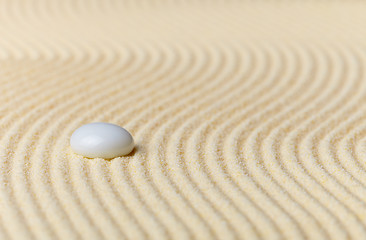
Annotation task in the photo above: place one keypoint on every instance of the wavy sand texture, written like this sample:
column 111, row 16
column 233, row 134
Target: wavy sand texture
column 249, row 119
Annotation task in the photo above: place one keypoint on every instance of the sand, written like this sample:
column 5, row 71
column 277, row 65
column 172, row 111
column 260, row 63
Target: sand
column 249, row 119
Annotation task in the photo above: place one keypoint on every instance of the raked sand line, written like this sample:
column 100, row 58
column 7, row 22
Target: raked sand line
column 248, row 117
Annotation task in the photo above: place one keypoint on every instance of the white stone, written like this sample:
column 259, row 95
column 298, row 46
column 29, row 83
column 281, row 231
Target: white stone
column 101, row 140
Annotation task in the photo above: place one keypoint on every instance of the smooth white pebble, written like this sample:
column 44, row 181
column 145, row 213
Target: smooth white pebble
column 101, row 140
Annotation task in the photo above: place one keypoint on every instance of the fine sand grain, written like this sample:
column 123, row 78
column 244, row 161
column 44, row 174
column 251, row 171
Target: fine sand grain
column 249, row 119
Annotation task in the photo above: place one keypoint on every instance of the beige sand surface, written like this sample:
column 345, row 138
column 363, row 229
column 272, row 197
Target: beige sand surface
column 249, row 118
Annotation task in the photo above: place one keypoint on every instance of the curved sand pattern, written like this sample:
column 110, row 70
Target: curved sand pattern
column 249, row 119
